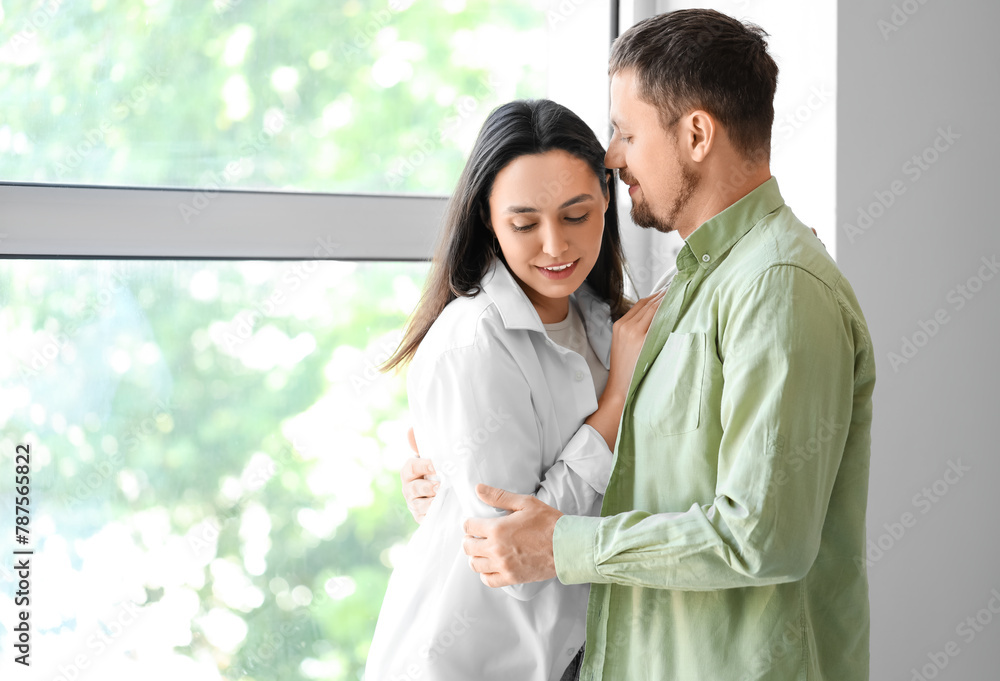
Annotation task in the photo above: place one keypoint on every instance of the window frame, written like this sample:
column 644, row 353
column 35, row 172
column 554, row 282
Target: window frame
column 88, row 221
column 50, row 221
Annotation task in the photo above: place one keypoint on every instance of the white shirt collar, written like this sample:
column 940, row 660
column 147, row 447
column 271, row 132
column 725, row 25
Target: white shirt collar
column 517, row 312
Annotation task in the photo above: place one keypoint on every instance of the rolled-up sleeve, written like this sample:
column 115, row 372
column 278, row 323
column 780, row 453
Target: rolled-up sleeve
column 585, row 459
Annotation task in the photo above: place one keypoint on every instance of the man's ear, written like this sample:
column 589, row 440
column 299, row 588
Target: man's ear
column 697, row 134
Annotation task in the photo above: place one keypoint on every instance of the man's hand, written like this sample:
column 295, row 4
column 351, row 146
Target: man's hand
column 516, row 548
column 417, row 490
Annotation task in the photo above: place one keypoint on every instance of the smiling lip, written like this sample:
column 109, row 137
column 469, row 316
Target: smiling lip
column 632, row 188
column 560, row 274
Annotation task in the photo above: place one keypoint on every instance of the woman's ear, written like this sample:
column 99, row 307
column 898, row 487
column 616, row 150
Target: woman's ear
column 484, row 215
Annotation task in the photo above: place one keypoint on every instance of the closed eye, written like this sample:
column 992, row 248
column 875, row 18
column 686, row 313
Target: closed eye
column 582, row 218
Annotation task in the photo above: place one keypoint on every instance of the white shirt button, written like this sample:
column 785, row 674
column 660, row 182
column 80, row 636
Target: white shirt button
column 579, row 375
column 706, row 257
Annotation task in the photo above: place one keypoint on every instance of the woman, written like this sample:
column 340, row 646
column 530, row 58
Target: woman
column 511, row 345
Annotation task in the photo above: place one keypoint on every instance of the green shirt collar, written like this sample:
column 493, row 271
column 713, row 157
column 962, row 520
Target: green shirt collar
column 713, row 239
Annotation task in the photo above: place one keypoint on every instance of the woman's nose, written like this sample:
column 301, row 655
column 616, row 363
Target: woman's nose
column 554, row 241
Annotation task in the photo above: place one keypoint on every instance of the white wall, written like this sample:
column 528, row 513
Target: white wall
column 572, row 25
column 896, row 90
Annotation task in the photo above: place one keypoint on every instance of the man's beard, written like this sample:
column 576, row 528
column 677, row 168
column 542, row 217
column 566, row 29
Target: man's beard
column 642, row 212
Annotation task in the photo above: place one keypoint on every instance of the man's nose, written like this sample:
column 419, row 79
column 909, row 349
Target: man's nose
column 613, row 158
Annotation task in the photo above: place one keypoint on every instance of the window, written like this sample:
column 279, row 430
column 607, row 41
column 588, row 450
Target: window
column 215, row 222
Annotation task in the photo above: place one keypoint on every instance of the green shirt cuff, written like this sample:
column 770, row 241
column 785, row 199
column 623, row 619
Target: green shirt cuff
column 574, row 549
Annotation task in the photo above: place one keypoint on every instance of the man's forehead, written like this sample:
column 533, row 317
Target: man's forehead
column 622, row 92
column 623, row 81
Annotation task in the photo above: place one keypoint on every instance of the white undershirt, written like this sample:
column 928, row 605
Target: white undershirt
column 570, row 334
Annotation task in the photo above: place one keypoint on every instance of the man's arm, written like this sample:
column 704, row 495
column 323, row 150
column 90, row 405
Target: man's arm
column 583, row 465
column 784, row 379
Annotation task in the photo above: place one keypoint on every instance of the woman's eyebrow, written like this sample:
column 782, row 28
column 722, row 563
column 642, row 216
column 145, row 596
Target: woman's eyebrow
column 580, row 198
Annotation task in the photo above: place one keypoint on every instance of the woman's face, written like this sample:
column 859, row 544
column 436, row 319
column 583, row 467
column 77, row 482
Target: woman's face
column 548, row 214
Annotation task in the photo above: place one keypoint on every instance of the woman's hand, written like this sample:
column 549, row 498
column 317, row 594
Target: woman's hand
column 626, row 342
column 627, row 338
column 418, row 491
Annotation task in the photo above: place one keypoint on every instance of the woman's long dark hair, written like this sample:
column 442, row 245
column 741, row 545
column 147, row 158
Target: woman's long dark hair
column 467, row 245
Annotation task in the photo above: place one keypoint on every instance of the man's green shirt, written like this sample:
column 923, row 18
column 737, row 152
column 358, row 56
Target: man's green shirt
column 731, row 542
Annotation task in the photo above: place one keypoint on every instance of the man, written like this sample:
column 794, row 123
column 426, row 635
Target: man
column 731, row 539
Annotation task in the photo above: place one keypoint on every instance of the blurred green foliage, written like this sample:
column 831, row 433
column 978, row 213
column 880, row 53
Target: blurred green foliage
column 141, row 399
column 354, row 96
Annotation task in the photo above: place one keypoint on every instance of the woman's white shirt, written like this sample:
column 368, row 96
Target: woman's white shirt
column 494, row 400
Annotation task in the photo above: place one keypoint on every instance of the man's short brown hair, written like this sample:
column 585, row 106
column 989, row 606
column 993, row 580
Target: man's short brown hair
column 703, row 59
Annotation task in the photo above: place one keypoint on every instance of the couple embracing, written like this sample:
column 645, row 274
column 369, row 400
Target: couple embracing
column 679, row 483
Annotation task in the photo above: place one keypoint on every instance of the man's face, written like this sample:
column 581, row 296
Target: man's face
column 649, row 159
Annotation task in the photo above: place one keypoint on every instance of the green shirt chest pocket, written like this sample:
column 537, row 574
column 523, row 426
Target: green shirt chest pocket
column 669, row 400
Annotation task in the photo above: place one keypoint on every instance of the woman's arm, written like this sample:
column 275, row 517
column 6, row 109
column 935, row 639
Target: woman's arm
column 475, row 416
